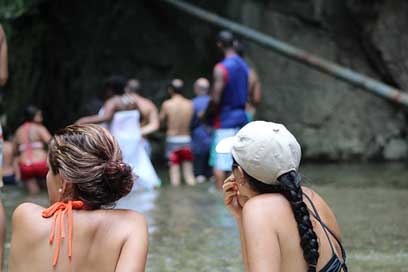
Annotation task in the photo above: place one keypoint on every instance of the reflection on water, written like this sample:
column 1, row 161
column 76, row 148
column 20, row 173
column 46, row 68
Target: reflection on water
column 190, row 230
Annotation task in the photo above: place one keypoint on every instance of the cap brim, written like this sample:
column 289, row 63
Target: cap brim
column 225, row 145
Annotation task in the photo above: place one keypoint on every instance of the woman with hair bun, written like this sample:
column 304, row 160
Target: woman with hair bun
column 79, row 231
column 283, row 225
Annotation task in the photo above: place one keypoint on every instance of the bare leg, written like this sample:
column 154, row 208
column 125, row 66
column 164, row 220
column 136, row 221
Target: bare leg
column 32, row 186
column 188, row 173
column 219, row 176
column 174, row 174
column 2, row 233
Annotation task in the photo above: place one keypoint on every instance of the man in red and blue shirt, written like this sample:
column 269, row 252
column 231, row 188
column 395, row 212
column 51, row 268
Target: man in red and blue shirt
column 228, row 99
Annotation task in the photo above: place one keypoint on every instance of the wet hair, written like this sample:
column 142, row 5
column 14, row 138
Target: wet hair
column 289, row 185
column 116, row 84
column 226, row 39
column 30, row 112
column 176, row 86
column 88, row 157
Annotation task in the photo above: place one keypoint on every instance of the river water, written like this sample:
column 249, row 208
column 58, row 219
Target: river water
column 190, row 230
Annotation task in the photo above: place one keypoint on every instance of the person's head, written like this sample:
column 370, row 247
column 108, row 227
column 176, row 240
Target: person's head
column 225, row 40
column 133, row 86
column 266, row 160
column 176, row 86
column 85, row 163
column 33, row 114
column 239, row 48
column 201, row 86
column 114, row 85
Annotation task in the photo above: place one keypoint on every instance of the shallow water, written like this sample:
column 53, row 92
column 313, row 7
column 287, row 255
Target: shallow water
column 190, row 230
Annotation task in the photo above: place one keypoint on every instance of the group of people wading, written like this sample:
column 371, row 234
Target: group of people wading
column 92, row 164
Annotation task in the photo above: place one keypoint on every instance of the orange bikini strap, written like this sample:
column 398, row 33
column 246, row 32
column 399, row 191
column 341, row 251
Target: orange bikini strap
column 58, row 211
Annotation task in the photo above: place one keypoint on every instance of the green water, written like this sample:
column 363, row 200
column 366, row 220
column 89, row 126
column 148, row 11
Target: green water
column 190, row 230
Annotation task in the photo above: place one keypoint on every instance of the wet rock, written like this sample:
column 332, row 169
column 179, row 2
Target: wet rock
column 396, row 149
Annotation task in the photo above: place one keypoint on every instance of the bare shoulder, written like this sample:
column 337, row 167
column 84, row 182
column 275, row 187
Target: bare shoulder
column 27, row 211
column 266, row 207
column 27, row 220
column 128, row 218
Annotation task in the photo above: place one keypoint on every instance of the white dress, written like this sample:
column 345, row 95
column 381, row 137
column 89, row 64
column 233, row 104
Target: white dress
column 125, row 127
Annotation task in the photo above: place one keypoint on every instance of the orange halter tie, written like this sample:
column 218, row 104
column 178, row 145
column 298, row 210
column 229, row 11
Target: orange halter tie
column 58, row 211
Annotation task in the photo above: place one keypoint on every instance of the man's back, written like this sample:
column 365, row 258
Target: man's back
column 99, row 240
column 178, row 112
column 235, row 93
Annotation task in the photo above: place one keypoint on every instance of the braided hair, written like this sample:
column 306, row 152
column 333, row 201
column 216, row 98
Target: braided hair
column 290, row 187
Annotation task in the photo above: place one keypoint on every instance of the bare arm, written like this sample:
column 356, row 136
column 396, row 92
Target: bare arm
column 3, row 58
column 153, row 124
column 261, row 239
column 108, row 112
column 2, row 233
column 45, row 135
column 134, row 252
column 219, row 85
column 163, row 113
column 255, row 92
column 216, row 94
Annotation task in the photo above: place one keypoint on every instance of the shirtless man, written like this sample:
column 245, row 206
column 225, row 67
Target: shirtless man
column 149, row 114
column 254, row 86
column 178, row 112
column 3, row 80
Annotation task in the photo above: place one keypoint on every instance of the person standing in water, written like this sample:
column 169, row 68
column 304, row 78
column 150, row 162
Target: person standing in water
column 254, row 85
column 79, row 232
column 3, row 80
column 227, row 105
column 284, row 226
column 201, row 133
column 149, row 114
column 177, row 112
column 120, row 114
column 30, row 144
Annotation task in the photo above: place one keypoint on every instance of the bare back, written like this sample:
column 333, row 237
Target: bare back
column 103, row 240
column 33, row 133
column 178, row 112
column 282, row 237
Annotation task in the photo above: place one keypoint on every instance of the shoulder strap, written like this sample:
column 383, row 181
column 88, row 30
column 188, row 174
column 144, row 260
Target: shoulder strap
column 326, row 230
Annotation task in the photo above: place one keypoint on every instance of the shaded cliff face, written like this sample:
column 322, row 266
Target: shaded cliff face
column 333, row 120
column 61, row 52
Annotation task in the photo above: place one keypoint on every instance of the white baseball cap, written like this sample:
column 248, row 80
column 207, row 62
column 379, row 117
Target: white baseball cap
column 264, row 150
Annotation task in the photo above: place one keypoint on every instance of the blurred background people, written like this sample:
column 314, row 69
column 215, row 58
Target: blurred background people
column 177, row 113
column 229, row 96
column 149, row 122
column 10, row 169
column 3, row 80
column 121, row 115
column 201, row 133
column 30, row 142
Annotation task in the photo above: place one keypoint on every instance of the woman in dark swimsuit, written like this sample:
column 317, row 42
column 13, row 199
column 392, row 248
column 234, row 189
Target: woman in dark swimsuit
column 283, row 225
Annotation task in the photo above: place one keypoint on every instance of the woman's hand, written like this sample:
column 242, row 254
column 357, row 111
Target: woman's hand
column 230, row 189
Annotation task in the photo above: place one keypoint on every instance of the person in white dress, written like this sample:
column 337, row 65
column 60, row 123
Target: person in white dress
column 121, row 116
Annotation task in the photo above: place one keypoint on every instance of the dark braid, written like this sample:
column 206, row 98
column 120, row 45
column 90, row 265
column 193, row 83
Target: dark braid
column 290, row 187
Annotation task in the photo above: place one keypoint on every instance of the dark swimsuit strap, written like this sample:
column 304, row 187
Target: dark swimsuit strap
column 326, row 230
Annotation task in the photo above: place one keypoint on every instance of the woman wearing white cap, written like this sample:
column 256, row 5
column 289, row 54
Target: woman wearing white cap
column 283, row 225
